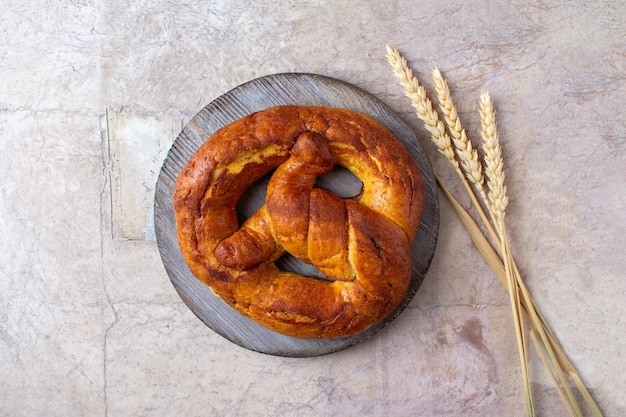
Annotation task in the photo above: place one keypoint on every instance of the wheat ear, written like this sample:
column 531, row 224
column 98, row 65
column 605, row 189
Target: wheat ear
column 464, row 149
column 422, row 105
column 497, row 197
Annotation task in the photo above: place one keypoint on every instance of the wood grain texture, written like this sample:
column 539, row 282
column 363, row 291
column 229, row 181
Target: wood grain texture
column 258, row 94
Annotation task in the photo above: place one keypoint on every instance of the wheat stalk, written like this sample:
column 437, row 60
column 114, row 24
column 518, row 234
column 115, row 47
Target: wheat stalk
column 496, row 201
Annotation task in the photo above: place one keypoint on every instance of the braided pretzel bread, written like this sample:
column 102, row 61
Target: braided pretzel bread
column 361, row 244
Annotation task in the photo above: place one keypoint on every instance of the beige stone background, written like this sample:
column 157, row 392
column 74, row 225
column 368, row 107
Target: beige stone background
column 92, row 94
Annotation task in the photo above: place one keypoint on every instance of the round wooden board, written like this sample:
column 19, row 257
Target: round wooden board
column 256, row 95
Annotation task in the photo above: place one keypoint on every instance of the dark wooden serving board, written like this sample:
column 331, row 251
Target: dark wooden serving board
column 259, row 94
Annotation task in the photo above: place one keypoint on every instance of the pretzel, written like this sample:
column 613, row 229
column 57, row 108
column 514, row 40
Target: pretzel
column 361, row 244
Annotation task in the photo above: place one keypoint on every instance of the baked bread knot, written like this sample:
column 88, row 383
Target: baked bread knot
column 362, row 244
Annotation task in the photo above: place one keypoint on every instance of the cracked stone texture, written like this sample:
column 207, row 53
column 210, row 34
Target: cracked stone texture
column 90, row 325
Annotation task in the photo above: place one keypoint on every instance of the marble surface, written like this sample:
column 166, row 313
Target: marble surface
column 93, row 93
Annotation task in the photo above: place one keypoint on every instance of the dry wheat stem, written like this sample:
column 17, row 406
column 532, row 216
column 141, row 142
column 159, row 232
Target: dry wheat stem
column 586, row 395
column 516, row 308
column 551, row 373
column 549, row 345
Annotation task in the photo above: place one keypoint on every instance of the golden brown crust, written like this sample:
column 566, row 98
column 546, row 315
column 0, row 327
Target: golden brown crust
column 361, row 244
